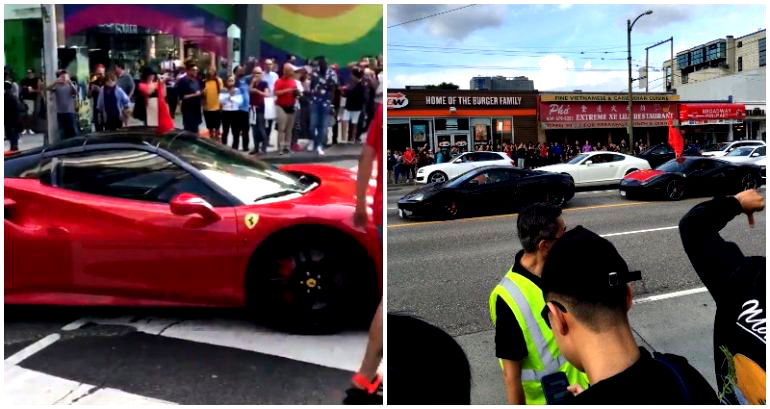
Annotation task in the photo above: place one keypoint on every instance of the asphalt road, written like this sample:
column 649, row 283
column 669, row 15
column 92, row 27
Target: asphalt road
column 184, row 356
column 443, row 271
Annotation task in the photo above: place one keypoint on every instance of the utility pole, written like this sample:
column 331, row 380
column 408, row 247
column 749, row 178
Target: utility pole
column 630, row 80
column 647, row 59
column 50, row 51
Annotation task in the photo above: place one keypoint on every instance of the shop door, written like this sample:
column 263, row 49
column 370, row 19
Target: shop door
column 449, row 140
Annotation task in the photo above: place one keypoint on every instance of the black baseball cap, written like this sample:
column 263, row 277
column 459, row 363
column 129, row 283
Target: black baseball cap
column 587, row 267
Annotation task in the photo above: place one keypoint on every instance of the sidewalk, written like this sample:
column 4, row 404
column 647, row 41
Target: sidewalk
column 334, row 153
column 681, row 325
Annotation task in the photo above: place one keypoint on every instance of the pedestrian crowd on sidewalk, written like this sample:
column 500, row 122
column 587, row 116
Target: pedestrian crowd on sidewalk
column 402, row 166
column 299, row 100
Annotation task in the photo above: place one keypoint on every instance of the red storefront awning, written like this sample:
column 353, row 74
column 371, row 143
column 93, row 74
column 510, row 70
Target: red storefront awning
column 711, row 112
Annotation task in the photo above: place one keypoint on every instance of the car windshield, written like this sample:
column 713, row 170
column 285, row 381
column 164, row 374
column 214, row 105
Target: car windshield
column 675, row 165
column 742, row 151
column 715, row 147
column 577, row 159
column 246, row 178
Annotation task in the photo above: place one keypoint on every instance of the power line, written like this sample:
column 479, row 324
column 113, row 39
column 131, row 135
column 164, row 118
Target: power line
column 432, row 15
column 472, row 50
column 498, row 67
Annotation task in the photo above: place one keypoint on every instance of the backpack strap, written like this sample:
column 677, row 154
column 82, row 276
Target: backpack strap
column 680, row 380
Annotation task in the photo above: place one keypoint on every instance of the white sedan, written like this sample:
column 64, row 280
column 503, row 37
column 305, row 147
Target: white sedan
column 598, row 168
column 441, row 172
column 724, row 148
column 745, row 154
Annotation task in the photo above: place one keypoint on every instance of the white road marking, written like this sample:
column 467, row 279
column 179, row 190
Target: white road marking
column 30, row 350
column 341, row 351
column 675, row 294
column 639, row 231
column 27, row 387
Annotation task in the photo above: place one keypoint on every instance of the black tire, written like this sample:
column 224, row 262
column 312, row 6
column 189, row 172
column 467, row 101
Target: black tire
column 437, row 177
column 749, row 181
column 451, row 209
column 556, row 198
column 674, row 190
column 312, row 281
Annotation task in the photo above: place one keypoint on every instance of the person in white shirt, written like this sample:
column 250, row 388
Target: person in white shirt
column 231, row 99
column 270, row 77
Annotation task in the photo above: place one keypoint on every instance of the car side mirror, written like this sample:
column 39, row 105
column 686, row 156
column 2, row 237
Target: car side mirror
column 473, row 182
column 457, row 161
column 755, row 154
column 185, row 204
column 588, row 163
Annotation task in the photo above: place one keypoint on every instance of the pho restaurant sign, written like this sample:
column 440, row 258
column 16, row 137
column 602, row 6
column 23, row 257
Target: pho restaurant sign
column 603, row 115
column 610, row 97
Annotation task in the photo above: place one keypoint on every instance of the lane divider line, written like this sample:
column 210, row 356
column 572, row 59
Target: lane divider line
column 675, row 294
column 473, row 219
column 30, row 350
column 639, row 231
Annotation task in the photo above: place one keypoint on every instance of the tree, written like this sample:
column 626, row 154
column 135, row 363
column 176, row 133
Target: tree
column 443, row 85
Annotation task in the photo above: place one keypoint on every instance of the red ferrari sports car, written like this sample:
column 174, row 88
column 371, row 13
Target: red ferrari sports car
column 135, row 219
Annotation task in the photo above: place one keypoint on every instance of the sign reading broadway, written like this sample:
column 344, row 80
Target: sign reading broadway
column 603, row 115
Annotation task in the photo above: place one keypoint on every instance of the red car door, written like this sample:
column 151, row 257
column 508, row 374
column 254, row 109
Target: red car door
column 110, row 211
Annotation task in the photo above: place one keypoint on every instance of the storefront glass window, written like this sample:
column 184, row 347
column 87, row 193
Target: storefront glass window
column 398, row 134
column 502, row 131
column 481, row 130
column 452, row 124
column 422, row 133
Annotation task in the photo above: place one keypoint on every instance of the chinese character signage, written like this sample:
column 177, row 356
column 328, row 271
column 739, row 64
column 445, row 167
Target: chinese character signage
column 554, row 115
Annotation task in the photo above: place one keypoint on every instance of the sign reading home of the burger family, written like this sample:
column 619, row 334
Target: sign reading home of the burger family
column 451, row 100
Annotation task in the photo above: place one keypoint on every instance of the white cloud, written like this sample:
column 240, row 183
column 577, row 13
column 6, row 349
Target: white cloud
column 453, row 26
column 564, row 6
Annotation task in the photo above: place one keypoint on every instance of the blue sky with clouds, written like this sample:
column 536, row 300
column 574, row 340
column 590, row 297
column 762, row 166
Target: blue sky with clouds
column 560, row 47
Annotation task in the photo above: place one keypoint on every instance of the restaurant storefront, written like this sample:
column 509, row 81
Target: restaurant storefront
column 462, row 119
column 707, row 123
column 603, row 118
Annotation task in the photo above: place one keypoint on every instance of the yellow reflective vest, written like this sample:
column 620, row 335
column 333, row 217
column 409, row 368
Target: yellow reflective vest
column 543, row 358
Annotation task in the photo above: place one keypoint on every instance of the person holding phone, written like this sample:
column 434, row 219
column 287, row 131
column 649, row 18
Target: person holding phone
column 230, row 99
column 523, row 343
column 65, row 92
column 586, row 307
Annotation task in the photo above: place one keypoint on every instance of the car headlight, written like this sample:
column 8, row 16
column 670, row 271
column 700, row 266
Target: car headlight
column 421, row 170
column 418, row 197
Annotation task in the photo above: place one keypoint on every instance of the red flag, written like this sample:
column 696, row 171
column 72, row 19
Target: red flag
column 675, row 138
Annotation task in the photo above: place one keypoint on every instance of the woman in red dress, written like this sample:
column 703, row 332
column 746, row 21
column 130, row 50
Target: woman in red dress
column 157, row 113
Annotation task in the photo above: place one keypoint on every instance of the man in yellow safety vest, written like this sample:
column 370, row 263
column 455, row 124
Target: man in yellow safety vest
column 524, row 344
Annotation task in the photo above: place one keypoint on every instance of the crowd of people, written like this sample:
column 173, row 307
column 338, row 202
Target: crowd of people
column 247, row 102
column 402, row 166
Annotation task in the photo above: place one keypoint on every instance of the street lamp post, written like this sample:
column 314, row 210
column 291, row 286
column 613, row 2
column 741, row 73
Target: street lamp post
column 630, row 80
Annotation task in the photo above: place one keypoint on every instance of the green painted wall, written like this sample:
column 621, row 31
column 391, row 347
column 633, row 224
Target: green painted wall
column 23, row 42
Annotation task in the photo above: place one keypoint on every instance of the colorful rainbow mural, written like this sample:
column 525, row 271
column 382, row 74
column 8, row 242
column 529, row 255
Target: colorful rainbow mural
column 342, row 33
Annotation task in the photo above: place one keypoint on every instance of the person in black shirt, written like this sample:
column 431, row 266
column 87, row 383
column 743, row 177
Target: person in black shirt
column 30, row 92
column 587, row 303
column 354, row 102
column 189, row 91
column 737, row 284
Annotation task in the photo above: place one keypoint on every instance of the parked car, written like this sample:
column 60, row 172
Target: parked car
column 137, row 219
column 723, row 148
column 598, row 168
column 441, row 172
column 691, row 177
column 746, row 154
column 661, row 153
column 489, row 189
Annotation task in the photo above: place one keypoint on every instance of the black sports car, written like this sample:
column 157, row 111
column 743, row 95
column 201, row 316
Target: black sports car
column 691, row 177
column 661, row 153
column 487, row 190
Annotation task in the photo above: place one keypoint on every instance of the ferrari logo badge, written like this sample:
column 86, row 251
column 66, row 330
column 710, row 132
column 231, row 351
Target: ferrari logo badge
column 311, row 282
column 251, row 220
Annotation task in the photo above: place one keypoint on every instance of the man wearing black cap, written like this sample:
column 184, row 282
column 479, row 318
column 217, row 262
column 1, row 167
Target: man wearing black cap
column 737, row 284
column 587, row 305
column 523, row 343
